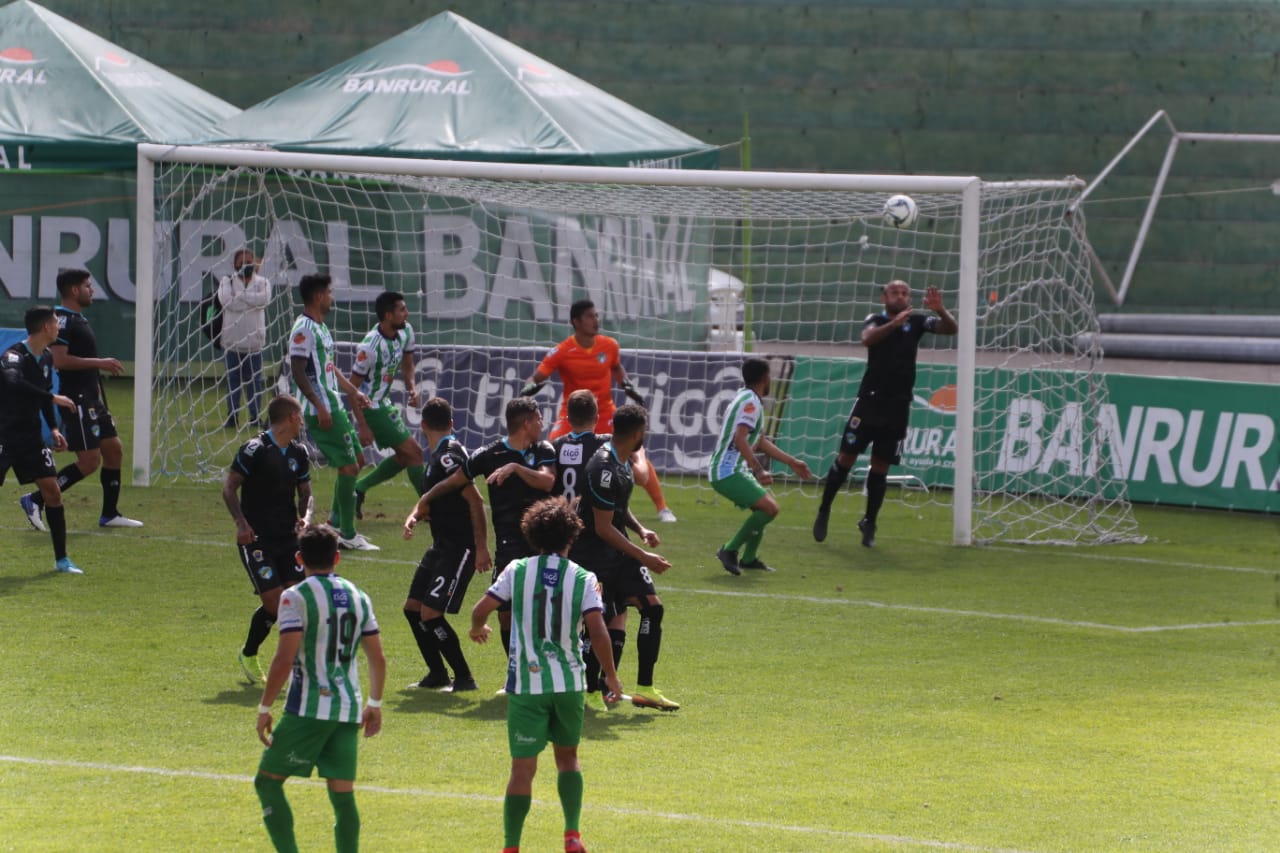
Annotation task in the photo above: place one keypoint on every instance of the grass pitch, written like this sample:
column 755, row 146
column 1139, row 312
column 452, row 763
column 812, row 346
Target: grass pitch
column 914, row 696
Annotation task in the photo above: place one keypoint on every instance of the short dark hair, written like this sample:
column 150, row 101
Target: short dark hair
column 753, row 370
column 437, row 414
column 386, row 303
column 582, row 408
column 311, row 284
column 318, row 545
column 519, row 411
column 628, row 420
column 281, row 407
column 36, row 317
column 577, row 309
column 68, row 279
column 550, row 525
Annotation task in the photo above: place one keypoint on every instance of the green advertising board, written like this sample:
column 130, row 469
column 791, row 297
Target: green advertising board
column 1179, row 441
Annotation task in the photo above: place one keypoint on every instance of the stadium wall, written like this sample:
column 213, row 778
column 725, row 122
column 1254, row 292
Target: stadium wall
column 1000, row 89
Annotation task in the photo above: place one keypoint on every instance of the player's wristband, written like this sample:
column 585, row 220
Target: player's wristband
column 373, row 703
column 531, row 388
column 264, row 709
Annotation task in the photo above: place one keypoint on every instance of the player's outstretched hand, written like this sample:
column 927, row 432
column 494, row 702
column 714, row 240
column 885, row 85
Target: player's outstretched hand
column 410, row 522
column 59, row 440
column 482, row 635
column 64, row 402
column 111, row 365
column 484, row 563
column 372, row 721
column 650, row 538
column 655, row 562
column 264, row 728
column 802, row 469
column 497, row 478
column 933, row 299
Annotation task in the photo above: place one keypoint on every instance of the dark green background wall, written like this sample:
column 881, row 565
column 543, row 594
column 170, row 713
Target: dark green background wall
column 998, row 89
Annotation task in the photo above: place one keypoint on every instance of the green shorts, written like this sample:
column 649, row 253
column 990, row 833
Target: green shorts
column 532, row 720
column 340, row 444
column 389, row 431
column 740, row 487
column 299, row 744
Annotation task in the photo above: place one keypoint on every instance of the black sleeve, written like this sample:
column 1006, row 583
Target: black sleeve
column 16, row 382
column 480, row 464
column 602, row 487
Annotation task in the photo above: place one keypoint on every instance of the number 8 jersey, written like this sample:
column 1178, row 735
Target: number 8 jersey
column 573, row 451
column 332, row 615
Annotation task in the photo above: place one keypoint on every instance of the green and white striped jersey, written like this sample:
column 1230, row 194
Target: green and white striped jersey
column 746, row 408
column 332, row 615
column 548, row 595
column 312, row 341
column 378, row 361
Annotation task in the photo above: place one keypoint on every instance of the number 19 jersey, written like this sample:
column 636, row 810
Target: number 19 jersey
column 332, row 615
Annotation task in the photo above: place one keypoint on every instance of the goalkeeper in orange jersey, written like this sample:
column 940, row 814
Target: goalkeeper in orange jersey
column 589, row 360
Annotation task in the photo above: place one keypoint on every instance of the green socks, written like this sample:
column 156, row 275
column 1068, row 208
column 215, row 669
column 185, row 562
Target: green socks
column 346, row 824
column 515, row 808
column 569, row 786
column 344, row 501
column 749, row 535
column 417, row 473
column 380, row 473
column 276, row 813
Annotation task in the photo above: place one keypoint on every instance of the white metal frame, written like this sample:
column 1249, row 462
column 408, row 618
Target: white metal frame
column 969, row 189
column 1176, row 136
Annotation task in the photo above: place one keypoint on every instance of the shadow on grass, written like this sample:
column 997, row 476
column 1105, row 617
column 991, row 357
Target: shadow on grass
column 12, row 585
column 244, row 694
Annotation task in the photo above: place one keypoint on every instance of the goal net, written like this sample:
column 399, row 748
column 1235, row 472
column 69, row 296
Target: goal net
column 690, row 270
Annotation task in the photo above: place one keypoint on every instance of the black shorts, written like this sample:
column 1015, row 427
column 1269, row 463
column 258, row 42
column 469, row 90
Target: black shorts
column 271, row 565
column 508, row 550
column 91, row 423
column 29, row 460
column 621, row 577
column 882, row 428
column 443, row 576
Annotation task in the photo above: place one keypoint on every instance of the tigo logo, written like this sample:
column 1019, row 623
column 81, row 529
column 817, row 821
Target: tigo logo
column 19, row 67
column 438, row 77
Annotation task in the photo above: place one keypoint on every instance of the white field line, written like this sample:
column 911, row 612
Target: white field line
column 492, row 799
column 880, row 605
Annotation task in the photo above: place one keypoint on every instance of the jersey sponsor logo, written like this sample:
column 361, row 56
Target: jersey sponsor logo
column 252, row 447
column 300, row 338
column 749, row 408
column 448, row 462
column 12, row 357
column 523, row 738
column 257, row 555
column 550, row 576
column 571, row 454
column 606, row 479
column 362, row 356
column 340, row 598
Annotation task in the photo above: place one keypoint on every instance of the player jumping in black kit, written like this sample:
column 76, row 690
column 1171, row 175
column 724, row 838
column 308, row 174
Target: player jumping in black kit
column 459, row 548
column 272, row 474
column 91, row 431
column 880, row 413
column 26, row 383
column 520, row 471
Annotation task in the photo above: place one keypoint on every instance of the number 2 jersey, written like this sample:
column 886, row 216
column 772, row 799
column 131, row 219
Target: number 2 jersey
column 333, row 615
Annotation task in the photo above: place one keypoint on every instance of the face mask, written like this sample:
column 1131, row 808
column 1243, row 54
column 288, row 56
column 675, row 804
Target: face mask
column 246, row 271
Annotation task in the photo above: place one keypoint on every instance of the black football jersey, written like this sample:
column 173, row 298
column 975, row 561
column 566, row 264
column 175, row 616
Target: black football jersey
column 573, row 451
column 890, row 376
column 508, row 502
column 609, row 483
column 25, row 393
column 450, row 514
column 75, row 333
column 268, row 496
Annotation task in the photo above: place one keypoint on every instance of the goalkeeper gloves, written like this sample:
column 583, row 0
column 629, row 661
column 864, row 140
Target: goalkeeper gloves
column 630, row 391
column 531, row 388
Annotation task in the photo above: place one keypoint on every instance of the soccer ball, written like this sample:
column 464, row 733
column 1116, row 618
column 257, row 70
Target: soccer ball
column 900, row 211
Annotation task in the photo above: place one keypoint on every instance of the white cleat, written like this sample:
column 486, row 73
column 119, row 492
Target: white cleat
column 357, row 543
column 32, row 511
column 119, row 521
column 665, row 514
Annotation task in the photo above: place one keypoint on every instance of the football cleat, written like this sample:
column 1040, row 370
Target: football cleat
column 359, row 506
column 461, row 685
column 357, row 543
column 868, row 531
column 433, row 681
column 729, row 559
column 64, row 566
column 573, row 843
column 595, row 701
column 757, row 565
column 33, row 512
column 665, row 514
column 252, row 668
column 820, row 524
column 651, row 697
column 118, row 521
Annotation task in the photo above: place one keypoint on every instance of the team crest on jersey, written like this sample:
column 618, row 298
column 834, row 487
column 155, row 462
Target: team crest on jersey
column 96, row 430
column 265, row 572
column 606, row 479
column 93, row 416
column 293, row 465
column 533, row 667
column 257, row 555
column 600, row 358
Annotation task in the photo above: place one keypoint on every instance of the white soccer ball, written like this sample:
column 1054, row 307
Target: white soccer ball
column 900, row 211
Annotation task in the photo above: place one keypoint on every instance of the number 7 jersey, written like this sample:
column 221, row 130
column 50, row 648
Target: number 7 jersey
column 333, row 615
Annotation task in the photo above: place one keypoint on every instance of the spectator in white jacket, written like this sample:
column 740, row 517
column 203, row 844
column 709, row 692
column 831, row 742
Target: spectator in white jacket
column 243, row 296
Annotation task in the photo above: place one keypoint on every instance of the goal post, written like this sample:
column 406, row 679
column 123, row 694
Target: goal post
column 490, row 255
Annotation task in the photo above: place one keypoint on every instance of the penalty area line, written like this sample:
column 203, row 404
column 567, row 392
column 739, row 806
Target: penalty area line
column 241, row 779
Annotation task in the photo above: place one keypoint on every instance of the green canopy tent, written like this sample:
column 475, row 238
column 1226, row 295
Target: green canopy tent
column 73, row 106
column 449, row 89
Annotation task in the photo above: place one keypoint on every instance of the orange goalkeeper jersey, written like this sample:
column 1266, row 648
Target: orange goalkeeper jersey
column 584, row 368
